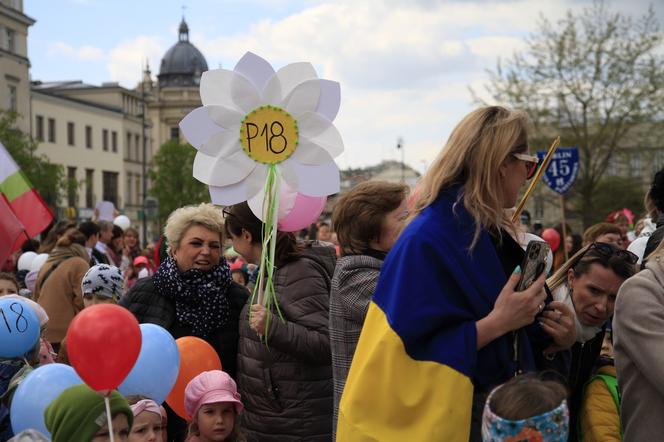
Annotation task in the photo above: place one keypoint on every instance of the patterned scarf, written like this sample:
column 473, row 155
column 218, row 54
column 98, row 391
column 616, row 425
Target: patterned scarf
column 200, row 296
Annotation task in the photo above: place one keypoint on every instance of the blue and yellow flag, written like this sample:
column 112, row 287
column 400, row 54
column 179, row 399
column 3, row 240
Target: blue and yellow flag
column 417, row 363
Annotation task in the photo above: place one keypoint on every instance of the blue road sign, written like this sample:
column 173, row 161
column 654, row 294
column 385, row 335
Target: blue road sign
column 563, row 169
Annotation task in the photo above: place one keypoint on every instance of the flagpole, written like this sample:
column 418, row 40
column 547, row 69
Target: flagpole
column 537, row 177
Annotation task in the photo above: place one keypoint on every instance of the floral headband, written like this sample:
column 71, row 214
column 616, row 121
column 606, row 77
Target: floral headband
column 552, row 426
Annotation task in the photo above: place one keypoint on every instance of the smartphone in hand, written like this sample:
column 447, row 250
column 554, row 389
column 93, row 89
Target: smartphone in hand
column 534, row 263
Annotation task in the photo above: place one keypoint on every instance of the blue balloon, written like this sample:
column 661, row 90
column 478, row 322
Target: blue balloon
column 39, row 388
column 19, row 328
column 157, row 366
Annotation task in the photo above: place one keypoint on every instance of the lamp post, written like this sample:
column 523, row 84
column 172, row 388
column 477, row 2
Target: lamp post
column 403, row 164
column 144, row 165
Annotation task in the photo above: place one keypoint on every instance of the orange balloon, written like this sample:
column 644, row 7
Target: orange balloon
column 196, row 356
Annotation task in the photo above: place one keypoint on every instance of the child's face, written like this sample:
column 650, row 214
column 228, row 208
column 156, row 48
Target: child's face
column 7, row 287
column 146, row 428
column 216, row 421
column 89, row 300
column 120, row 430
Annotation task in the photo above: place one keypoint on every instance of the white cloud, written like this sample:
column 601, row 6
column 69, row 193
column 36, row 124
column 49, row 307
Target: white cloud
column 83, row 53
column 127, row 59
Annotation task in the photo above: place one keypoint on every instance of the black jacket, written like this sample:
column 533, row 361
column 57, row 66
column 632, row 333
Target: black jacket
column 150, row 307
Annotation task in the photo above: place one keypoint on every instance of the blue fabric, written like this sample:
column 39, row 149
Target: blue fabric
column 433, row 290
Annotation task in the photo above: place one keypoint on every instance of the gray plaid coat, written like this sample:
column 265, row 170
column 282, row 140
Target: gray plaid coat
column 353, row 285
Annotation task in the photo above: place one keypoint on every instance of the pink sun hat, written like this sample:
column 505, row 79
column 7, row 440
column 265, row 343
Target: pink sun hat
column 211, row 387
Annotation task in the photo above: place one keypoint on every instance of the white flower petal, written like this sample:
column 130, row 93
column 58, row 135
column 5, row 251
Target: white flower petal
column 217, row 171
column 256, row 69
column 330, row 140
column 310, row 124
column 239, row 192
column 284, row 81
column 330, row 99
column 216, row 87
column 222, row 144
column 227, row 117
column 197, row 127
column 244, row 94
column 318, row 180
column 308, row 152
column 304, row 98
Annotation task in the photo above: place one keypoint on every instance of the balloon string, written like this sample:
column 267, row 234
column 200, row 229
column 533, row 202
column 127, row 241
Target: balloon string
column 110, row 420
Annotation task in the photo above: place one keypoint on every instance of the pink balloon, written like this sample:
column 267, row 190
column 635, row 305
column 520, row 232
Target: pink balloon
column 306, row 210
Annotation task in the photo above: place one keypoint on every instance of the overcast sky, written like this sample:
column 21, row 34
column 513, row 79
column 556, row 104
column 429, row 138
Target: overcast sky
column 404, row 65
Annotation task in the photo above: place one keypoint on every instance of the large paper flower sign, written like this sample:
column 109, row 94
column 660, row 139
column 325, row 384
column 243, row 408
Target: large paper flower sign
column 267, row 137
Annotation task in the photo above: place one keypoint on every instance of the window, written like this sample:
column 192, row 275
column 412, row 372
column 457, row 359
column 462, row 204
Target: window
column 114, row 141
column 104, row 139
column 128, row 146
column 138, row 147
column 70, row 133
column 88, row 137
column 51, row 130
column 175, row 133
column 89, row 188
column 110, row 187
column 71, row 187
column 128, row 197
column 612, row 166
column 137, row 188
column 39, row 127
column 635, row 164
column 13, row 103
column 11, row 40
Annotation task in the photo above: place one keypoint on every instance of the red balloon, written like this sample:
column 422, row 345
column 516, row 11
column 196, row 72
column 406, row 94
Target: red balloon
column 552, row 237
column 103, row 343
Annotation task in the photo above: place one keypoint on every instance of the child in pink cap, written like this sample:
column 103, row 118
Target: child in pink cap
column 213, row 404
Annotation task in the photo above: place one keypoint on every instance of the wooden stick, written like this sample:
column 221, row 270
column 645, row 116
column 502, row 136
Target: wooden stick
column 537, row 177
column 564, row 226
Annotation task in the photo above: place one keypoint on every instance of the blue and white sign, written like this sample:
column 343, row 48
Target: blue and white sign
column 563, row 169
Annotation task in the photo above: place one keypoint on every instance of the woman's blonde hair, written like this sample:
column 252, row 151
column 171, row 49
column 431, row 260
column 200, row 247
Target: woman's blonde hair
column 472, row 156
column 180, row 220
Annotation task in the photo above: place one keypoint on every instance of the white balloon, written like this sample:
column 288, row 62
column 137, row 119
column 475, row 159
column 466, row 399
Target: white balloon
column 549, row 257
column 25, row 260
column 38, row 262
column 122, row 221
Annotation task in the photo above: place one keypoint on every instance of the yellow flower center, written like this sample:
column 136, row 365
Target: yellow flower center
column 269, row 134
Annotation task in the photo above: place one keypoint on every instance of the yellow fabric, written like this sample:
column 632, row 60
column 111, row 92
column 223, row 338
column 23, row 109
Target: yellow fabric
column 600, row 421
column 391, row 397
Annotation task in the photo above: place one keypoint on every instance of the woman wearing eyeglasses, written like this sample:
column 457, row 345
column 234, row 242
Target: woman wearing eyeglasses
column 588, row 284
column 638, row 344
column 446, row 325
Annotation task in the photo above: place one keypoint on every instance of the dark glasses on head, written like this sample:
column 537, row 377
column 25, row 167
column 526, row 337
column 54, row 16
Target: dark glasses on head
column 531, row 161
column 607, row 251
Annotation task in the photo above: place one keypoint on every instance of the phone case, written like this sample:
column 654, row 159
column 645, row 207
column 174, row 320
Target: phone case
column 533, row 263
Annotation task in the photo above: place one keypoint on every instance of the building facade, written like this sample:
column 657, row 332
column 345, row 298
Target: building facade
column 97, row 133
column 14, row 62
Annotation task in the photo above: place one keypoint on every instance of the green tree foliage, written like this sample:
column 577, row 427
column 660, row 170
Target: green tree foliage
column 48, row 178
column 172, row 181
column 597, row 80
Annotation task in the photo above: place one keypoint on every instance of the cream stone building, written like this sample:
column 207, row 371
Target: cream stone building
column 96, row 133
column 14, row 62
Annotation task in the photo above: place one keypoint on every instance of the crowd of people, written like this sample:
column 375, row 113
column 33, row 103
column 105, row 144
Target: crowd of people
column 397, row 319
